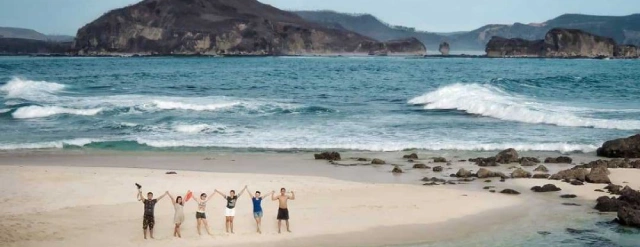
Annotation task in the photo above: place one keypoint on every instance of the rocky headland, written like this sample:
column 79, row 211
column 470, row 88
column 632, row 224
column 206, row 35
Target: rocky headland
column 561, row 43
column 223, row 27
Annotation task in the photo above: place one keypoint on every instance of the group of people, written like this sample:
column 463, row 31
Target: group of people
column 148, row 220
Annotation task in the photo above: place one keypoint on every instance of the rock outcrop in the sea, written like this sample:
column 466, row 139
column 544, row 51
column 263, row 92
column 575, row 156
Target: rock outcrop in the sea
column 621, row 148
column 560, row 43
column 444, row 48
column 17, row 46
column 223, row 27
column 614, row 163
column 559, row 159
column 327, row 156
column 627, row 206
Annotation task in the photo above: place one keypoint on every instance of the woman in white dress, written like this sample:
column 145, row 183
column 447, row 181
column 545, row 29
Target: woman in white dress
column 178, row 217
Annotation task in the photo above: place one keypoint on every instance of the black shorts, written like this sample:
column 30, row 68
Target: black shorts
column 148, row 221
column 283, row 214
column 200, row 215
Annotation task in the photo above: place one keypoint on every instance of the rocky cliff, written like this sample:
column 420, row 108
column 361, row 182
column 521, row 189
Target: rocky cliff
column 560, row 43
column 15, row 46
column 219, row 27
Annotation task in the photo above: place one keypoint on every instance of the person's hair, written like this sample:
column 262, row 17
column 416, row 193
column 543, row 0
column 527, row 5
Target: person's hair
column 281, row 189
column 258, row 192
column 149, row 193
column 233, row 191
column 203, row 194
column 178, row 198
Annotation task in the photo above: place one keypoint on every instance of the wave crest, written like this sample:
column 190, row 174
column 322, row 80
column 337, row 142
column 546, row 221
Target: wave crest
column 47, row 111
column 28, row 89
column 493, row 102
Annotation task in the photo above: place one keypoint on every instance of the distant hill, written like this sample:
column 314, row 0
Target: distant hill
column 623, row 29
column 370, row 26
column 24, row 33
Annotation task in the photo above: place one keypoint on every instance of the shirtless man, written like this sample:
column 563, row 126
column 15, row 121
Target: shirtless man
column 283, row 210
column 148, row 219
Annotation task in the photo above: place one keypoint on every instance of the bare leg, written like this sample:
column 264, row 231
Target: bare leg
column 258, row 222
column 145, row 233
column 287, row 221
column 227, row 219
column 279, row 225
column 206, row 226
column 178, row 230
column 151, row 232
column 199, row 225
column 231, row 223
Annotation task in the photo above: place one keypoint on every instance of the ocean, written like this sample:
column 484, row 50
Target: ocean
column 312, row 103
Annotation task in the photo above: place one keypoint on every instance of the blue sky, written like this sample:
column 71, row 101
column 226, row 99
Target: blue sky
column 66, row 16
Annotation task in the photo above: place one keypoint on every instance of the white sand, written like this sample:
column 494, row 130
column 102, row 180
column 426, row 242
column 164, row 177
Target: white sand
column 77, row 206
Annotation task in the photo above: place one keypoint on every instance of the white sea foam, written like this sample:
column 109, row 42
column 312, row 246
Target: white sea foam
column 46, row 111
column 197, row 128
column 28, row 89
column 46, row 145
column 493, row 102
column 175, row 105
column 4, row 110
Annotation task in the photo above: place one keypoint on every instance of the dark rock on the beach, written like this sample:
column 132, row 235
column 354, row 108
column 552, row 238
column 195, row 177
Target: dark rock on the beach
column 528, row 161
column 171, row 172
column 437, row 169
column 568, row 196
column 507, row 156
column 378, row 162
column 439, row 160
column 541, row 168
column 614, row 189
column 598, row 190
column 420, row 166
column 431, row 184
column 513, row 167
column 486, row 173
column 462, row 160
column 412, row 156
column 614, row 163
column 488, row 187
column 546, row 188
column 609, row 204
column 434, row 179
column 492, row 191
column 396, row 169
column 598, row 175
column 510, row 192
column 450, row 182
column 559, row 160
column 629, row 216
column 541, row 176
column 503, row 180
column 327, row 156
column 520, row 173
column 452, row 175
column 362, row 159
column 576, row 182
column 631, row 196
column 571, row 204
column 621, row 148
column 491, row 161
column 574, row 173
column 463, row 173
column 487, row 181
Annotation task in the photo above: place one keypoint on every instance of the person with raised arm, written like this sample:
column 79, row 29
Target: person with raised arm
column 201, row 216
column 148, row 219
column 230, row 210
column 178, row 216
column 256, row 200
column 283, row 209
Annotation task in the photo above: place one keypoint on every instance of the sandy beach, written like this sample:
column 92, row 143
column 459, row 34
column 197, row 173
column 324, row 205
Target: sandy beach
column 53, row 200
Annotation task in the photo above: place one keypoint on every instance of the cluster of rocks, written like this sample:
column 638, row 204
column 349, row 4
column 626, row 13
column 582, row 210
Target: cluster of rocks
column 627, row 205
column 621, row 148
column 614, row 163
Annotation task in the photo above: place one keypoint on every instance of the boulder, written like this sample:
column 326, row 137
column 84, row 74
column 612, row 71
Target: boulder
column 629, row 216
column 566, row 196
column 420, row 166
column 576, row 182
column 444, row 48
column 488, row 187
column 614, row 163
column 434, row 179
column 614, row 189
column 571, row 174
column 396, row 169
column 529, row 159
column 541, row 176
column 378, row 162
column 431, row 184
column 437, row 169
column 546, row 188
column 485, row 173
column 598, row 175
column 491, row 161
column 631, row 196
column 463, row 173
column 327, row 156
column 507, row 156
column 621, row 148
column 559, row 160
column 525, row 162
column 171, row 173
column 510, row 192
column 609, row 204
column 439, row 160
column 520, row 173
column 412, row 156
column 541, row 168
column 362, row 159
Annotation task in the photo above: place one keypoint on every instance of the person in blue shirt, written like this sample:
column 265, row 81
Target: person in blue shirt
column 256, row 199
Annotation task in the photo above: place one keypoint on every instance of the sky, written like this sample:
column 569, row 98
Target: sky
column 66, row 16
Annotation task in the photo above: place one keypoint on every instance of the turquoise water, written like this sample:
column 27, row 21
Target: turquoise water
column 292, row 103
